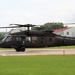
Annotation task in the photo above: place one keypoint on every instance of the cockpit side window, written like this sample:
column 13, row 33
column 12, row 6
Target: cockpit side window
column 18, row 38
column 8, row 38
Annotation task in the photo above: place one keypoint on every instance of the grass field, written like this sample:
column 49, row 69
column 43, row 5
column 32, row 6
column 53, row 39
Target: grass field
column 37, row 65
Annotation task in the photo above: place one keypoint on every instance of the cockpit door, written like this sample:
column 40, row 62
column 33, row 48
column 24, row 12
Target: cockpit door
column 21, row 40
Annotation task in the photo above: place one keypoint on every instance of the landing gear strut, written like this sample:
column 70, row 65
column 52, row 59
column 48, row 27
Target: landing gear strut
column 20, row 49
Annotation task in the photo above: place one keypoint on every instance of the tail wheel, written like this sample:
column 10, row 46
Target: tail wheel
column 20, row 49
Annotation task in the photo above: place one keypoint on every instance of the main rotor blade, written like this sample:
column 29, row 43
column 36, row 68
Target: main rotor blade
column 10, row 27
column 16, row 24
column 68, row 23
column 24, row 25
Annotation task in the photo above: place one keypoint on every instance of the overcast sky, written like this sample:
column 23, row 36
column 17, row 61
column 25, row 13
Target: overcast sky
column 36, row 11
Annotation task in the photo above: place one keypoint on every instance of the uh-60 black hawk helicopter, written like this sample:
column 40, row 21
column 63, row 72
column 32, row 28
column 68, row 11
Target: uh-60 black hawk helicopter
column 26, row 38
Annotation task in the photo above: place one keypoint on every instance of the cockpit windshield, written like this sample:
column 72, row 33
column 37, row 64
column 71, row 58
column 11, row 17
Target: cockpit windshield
column 7, row 38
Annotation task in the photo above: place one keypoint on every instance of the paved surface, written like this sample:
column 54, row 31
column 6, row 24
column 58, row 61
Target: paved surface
column 37, row 52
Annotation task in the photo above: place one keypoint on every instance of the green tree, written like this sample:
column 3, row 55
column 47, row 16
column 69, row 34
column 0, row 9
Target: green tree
column 2, row 34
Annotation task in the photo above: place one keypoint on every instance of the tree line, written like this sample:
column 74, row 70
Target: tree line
column 2, row 34
column 50, row 26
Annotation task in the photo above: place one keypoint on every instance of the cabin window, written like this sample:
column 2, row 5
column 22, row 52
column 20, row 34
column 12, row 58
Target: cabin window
column 34, row 39
column 28, row 39
column 50, row 39
column 67, row 33
column 19, row 38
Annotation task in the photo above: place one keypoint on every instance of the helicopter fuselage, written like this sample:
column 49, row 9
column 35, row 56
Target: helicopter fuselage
column 22, row 40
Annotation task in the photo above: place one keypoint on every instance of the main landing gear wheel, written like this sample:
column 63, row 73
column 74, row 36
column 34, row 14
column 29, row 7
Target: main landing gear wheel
column 20, row 49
